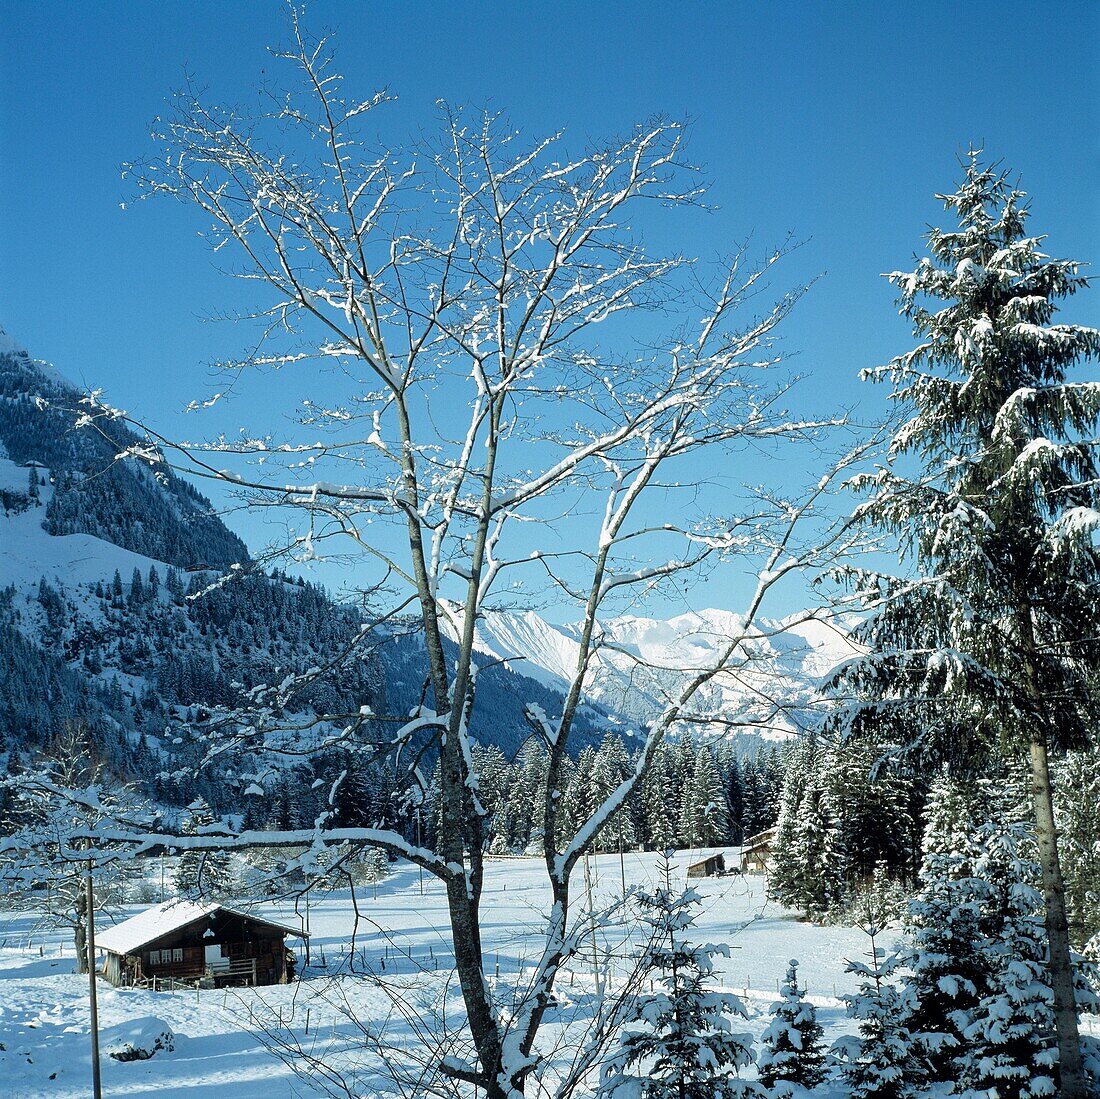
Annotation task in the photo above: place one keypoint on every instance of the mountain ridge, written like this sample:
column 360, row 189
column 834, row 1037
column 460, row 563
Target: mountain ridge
column 643, row 662
column 100, row 561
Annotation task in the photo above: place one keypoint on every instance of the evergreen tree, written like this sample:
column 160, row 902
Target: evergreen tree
column 791, row 1052
column 678, row 1042
column 806, row 878
column 785, row 868
column 1077, row 797
column 758, row 800
column 609, row 769
column 730, row 770
column 352, row 801
column 681, row 770
column 948, row 973
column 660, row 803
column 998, row 644
column 705, row 820
column 876, row 819
column 884, row 1062
column 1010, row 1048
column 203, row 874
column 173, row 583
column 580, row 794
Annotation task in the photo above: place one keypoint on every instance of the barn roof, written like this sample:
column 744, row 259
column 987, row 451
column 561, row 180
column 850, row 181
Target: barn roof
column 703, row 854
column 760, row 838
column 162, row 919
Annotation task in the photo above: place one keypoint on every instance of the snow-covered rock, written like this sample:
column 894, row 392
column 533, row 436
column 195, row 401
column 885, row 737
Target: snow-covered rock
column 137, row 1039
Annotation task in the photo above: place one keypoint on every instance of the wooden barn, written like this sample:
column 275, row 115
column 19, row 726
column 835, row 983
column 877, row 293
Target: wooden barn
column 756, row 852
column 206, row 944
column 709, row 865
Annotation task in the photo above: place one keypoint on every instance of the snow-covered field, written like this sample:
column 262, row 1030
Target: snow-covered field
column 220, row 1052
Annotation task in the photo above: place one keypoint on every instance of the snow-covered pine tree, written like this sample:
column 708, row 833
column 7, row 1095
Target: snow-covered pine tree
column 791, row 1051
column 611, row 766
column 681, row 769
column 137, row 589
column 660, row 803
column 1009, row 1048
column 884, row 1062
column 705, row 819
column 993, row 490
column 678, row 1042
column 757, row 798
column 947, row 972
column 203, row 874
column 808, row 877
column 1077, row 798
column 729, row 770
column 783, row 881
column 877, row 815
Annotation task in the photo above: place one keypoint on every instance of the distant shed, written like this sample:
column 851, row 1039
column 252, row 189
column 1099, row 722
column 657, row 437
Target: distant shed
column 709, row 866
column 192, row 942
column 757, row 851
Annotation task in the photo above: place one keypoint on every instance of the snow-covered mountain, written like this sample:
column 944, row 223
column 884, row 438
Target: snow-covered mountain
column 644, row 662
column 96, row 560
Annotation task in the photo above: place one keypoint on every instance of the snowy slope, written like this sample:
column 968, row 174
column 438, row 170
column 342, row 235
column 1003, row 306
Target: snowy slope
column 643, row 662
column 220, row 1052
column 28, row 553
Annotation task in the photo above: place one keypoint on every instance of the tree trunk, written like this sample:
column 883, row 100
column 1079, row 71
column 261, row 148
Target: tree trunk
column 80, row 933
column 1060, row 967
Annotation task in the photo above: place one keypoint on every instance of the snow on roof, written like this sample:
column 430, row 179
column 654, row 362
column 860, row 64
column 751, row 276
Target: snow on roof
column 162, row 919
column 701, row 854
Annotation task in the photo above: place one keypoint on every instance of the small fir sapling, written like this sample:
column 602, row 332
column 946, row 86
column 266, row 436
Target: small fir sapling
column 947, row 972
column 1009, row 1042
column 791, row 1052
column 884, row 1061
column 678, row 1041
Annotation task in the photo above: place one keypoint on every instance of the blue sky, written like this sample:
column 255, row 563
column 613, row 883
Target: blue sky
column 836, row 122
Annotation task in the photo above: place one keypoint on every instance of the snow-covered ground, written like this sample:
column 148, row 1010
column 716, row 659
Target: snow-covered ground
column 29, row 553
column 220, row 1052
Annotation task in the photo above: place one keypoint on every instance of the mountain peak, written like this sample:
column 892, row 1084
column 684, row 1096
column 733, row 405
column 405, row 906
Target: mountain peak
column 8, row 346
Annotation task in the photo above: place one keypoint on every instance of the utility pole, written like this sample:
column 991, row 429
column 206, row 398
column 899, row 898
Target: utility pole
column 306, row 927
column 622, row 861
column 592, row 918
column 420, row 868
column 97, row 1088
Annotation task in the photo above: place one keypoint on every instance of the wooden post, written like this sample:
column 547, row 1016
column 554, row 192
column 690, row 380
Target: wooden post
column 420, row 868
column 622, row 860
column 592, row 917
column 97, row 1088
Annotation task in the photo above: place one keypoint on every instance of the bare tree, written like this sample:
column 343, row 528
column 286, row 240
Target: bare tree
column 531, row 402
column 43, row 867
